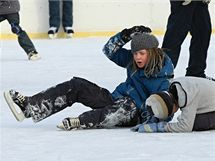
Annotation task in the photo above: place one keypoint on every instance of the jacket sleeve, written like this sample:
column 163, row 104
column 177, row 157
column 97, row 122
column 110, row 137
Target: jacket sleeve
column 114, row 51
column 185, row 121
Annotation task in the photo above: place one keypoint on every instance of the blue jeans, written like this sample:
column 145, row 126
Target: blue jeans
column 54, row 13
column 23, row 38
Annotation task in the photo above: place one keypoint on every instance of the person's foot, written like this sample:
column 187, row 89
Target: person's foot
column 52, row 33
column 19, row 99
column 69, row 123
column 69, row 32
column 33, row 55
column 17, row 104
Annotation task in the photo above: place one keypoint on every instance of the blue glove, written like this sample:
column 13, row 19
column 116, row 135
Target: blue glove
column 149, row 128
column 146, row 118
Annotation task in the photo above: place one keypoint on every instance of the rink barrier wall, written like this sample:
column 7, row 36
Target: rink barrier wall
column 96, row 17
column 76, row 35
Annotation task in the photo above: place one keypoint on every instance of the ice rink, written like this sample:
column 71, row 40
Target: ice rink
column 61, row 60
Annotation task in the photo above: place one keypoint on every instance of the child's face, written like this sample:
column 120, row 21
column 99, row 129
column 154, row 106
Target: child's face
column 140, row 58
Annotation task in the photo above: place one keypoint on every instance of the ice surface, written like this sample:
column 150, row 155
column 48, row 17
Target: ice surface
column 61, row 60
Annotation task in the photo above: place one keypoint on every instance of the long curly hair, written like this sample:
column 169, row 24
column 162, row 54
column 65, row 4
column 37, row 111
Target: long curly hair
column 154, row 63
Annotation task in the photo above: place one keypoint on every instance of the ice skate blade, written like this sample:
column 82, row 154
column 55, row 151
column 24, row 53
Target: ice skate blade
column 52, row 36
column 61, row 127
column 69, row 36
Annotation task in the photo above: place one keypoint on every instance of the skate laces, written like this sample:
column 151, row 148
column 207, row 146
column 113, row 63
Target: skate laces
column 71, row 123
column 17, row 98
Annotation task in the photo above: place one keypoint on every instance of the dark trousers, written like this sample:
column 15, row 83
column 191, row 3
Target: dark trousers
column 205, row 121
column 193, row 18
column 54, row 13
column 23, row 39
column 105, row 111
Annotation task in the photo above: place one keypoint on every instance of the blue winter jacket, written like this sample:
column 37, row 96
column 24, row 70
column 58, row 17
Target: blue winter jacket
column 137, row 86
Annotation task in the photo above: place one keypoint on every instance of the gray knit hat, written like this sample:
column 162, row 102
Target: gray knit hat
column 142, row 41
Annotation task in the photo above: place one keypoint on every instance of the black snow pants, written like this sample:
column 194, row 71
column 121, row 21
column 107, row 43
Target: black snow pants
column 105, row 111
column 193, row 18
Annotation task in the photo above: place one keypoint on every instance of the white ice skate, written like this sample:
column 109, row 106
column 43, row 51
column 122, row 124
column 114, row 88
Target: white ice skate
column 69, row 32
column 33, row 56
column 52, row 33
column 69, row 124
column 15, row 109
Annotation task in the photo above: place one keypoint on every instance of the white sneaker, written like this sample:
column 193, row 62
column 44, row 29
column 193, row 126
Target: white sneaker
column 33, row 55
column 52, row 33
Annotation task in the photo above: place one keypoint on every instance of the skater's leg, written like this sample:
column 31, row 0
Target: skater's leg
column 23, row 38
column 67, row 13
column 68, row 17
column 57, row 98
column 178, row 26
column 54, row 13
column 201, row 34
column 121, row 113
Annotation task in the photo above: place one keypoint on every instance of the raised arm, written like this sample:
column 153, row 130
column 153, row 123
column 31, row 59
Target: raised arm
column 113, row 48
